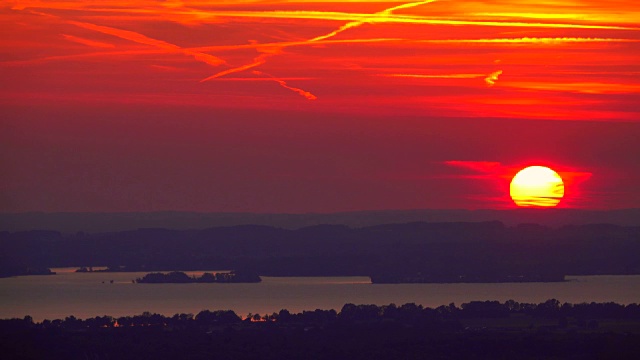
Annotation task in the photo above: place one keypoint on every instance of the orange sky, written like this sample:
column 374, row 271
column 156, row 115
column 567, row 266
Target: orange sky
column 304, row 106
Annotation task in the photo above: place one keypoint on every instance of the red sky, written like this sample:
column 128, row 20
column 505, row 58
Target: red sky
column 310, row 106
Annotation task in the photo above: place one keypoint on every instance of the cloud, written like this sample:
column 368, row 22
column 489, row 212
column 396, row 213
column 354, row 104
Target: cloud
column 477, row 166
column 492, row 78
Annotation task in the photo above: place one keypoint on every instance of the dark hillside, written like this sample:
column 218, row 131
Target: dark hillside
column 446, row 250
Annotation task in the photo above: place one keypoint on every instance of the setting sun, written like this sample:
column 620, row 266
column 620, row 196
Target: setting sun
column 537, row 186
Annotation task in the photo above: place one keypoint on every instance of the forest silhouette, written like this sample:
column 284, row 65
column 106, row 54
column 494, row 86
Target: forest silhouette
column 479, row 330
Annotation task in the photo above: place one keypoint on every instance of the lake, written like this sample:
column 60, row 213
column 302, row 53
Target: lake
column 91, row 294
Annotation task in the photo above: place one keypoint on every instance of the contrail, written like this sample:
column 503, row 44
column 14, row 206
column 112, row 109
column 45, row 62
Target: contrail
column 337, row 31
column 279, row 45
column 285, row 44
column 406, row 6
column 438, row 76
column 357, row 23
column 142, row 39
column 262, row 58
column 383, row 17
column 200, row 49
column 490, row 79
column 350, row 21
column 526, row 40
column 87, row 42
column 266, row 51
column 263, row 79
column 577, row 87
column 387, row 16
column 282, row 83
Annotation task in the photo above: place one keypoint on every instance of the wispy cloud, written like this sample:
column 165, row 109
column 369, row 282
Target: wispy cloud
column 493, row 77
column 87, row 42
column 478, row 166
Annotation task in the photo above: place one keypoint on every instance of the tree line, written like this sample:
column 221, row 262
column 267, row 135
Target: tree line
column 409, row 313
column 357, row 332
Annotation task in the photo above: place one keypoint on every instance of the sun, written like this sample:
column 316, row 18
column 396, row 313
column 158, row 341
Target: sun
column 537, row 186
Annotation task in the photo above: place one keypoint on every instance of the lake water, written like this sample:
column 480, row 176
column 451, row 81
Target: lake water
column 85, row 295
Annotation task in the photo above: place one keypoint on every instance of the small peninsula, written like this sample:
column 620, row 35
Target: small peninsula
column 11, row 271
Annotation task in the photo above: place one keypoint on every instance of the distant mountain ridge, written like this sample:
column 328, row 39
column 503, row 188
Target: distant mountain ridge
column 435, row 252
column 73, row 222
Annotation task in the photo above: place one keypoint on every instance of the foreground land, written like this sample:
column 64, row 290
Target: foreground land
column 476, row 330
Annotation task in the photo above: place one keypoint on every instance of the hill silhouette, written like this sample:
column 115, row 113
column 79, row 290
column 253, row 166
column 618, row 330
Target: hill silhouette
column 106, row 222
column 444, row 251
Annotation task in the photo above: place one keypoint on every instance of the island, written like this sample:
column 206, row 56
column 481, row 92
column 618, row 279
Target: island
column 179, row 277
